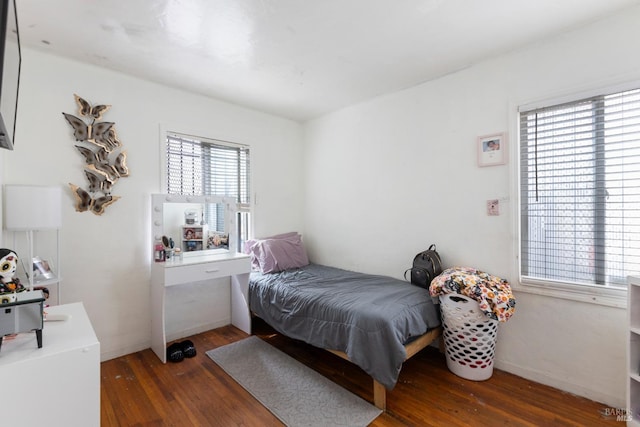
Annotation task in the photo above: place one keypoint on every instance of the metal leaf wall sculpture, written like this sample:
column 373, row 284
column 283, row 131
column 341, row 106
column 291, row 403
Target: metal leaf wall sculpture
column 100, row 148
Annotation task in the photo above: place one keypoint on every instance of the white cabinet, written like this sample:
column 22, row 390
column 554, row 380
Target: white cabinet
column 58, row 384
column 633, row 353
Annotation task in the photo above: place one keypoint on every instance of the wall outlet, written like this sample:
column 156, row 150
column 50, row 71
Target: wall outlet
column 493, row 207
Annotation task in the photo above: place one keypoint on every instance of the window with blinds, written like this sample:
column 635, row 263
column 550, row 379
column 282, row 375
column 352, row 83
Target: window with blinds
column 200, row 166
column 580, row 191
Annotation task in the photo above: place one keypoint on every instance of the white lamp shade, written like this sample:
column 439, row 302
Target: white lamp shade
column 31, row 207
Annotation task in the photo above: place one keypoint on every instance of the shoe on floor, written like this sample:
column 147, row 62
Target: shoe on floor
column 188, row 349
column 174, row 353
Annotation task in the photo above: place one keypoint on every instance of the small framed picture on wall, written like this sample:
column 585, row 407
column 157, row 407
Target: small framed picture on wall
column 492, row 150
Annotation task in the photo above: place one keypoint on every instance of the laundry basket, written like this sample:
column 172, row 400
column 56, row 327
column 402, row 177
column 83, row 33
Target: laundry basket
column 469, row 337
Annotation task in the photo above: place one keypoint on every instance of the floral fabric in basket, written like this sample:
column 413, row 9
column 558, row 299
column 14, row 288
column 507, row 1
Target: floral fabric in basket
column 492, row 293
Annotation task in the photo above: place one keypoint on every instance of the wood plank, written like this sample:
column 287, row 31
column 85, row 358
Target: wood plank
column 379, row 395
column 138, row 390
column 379, row 391
column 421, row 342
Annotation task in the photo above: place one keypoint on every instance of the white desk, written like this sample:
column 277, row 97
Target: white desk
column 58, row 384
column 194, row 269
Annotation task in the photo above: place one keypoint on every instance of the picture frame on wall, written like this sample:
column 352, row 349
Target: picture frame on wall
column 492, row 150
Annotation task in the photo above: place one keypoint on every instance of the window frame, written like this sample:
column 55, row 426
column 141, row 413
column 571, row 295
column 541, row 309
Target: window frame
column 607, row 296
column 242, row 208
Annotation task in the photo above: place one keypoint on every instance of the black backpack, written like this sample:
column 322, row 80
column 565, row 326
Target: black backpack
column 426, row 266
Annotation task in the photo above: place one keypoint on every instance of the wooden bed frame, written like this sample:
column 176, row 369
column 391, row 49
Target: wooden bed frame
column 379, row 391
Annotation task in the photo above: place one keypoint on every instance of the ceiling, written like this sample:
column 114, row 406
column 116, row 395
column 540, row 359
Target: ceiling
column 298, row 59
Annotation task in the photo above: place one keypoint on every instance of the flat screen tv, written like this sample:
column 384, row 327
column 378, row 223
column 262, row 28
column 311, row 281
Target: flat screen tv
column 10, row 60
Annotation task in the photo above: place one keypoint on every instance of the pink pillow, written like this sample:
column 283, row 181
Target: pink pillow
column 249, row 247
column 277, row 253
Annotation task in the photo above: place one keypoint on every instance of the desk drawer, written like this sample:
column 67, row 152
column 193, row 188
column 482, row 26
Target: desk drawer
column 206, row 271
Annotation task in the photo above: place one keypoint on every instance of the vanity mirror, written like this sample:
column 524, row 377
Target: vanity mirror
column 223, row 272
column 198, row 225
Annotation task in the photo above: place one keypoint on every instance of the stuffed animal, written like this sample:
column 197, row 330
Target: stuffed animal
column 9, row 285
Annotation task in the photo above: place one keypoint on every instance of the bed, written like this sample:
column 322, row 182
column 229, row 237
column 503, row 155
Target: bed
column 376, row 322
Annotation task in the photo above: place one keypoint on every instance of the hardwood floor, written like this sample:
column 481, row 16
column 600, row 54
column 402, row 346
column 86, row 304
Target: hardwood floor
column 138, row 390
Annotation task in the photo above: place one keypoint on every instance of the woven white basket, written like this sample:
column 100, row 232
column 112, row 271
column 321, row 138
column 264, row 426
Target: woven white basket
column 469, row 337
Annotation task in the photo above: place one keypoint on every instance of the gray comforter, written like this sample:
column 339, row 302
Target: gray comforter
column 368, row 317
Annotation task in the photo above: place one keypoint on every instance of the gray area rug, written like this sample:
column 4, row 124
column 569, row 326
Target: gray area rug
column 294, row 393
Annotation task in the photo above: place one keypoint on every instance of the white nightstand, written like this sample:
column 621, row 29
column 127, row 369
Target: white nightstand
column 58, row 384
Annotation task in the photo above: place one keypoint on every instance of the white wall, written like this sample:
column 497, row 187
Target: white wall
column 106, row 259
column 386, row 178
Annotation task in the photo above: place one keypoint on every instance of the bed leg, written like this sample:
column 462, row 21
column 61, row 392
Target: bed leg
column 379, row 395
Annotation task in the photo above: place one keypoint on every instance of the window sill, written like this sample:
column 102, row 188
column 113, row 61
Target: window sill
column 612, row 297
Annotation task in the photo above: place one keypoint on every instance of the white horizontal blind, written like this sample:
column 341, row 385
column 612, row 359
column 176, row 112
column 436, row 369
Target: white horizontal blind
column 184, row 166
column 201, row 166
column 229, row 169
column 580, row 190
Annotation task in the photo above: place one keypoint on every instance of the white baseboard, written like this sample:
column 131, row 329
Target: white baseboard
column 197, row 329
column 123, row 351
column 582, row 390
